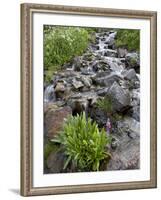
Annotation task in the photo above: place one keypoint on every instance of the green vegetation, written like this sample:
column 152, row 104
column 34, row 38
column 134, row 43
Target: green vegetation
column 61, row 44
column 129, row 39
column 83, row 143
column 105, row 104
column 48, row 148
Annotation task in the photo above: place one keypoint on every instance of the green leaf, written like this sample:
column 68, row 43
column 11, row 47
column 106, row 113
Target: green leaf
column 67, row 162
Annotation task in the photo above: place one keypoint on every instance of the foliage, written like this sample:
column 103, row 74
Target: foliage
column 117, row 116
column 105, row 104
column 48, row 75
column 83, row 143
column 129, row 39
column 61, row 44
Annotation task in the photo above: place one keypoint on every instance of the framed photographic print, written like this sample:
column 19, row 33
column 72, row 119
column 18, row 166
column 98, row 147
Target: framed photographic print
column 88, row 99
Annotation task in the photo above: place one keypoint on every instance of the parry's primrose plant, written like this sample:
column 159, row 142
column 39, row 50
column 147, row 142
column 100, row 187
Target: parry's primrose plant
column 83, row 143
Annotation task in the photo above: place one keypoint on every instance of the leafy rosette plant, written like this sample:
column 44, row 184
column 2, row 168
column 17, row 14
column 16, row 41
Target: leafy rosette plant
column 83, row 143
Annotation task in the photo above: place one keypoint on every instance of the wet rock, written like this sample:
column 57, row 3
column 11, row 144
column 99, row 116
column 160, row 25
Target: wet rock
column 122, row 52
column 105, row 79
column 62, row 90
column 79, row 102
column 110, row 53
column 135, row 97
column 130, row 74
column 86, row 81
column 133, row 61
column 77, row 84
column 116, row 67
column 111, row 40
column 95, row 47
column 53, row 119
column 98, row 65
column 102, row 91
column 49, row 93
column 120, row 97
column 134, row 112
column 87, row 71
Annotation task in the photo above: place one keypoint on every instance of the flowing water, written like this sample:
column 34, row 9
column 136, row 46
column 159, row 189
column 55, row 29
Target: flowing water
column 49, row 94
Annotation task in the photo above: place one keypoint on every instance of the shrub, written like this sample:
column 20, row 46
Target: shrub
column 105, row 104
column 63, row 43
column 83, row 143
column 129, row 39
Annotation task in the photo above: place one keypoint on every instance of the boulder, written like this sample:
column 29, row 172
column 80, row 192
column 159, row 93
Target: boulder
column 120, row 97
column 130, row 74
column 105, row 79
column 63, row 90
column 53, row 119
column 126, row 151
column 86, row 81
column 79, row 102
column 134, row 112
column 77, row 84
column 59, row 87
column 77, row 62
column 132, row 60
column 122, row 52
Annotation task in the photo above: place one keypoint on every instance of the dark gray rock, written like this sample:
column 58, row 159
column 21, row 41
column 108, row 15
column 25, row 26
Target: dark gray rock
column 134, row 112
column 105, row 79
column 126, row 151
column 120, row 97
column 77, row 62
column 98, row 65
column 132, row 60
column 110, row 53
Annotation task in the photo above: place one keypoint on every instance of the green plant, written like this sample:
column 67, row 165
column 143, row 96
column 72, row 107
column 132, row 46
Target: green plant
column 61, row 44
column 105, row 104
column 129, row 39
column 83, row 143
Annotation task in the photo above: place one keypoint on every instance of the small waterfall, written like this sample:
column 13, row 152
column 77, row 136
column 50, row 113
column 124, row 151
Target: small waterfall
column 49, row 94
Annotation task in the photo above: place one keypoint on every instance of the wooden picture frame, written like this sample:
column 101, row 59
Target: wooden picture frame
column 27, row 11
